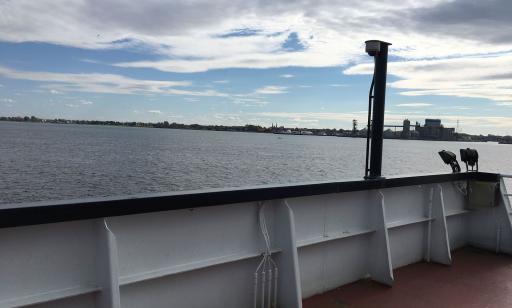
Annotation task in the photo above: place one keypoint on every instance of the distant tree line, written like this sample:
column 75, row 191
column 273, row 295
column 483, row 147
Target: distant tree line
column 247, row 128
column 166, row 124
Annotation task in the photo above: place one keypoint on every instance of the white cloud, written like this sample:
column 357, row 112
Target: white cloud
column 413, row 105
column 463, row 54
column 286, row 76
column 155, row 111
column 195, row 36
column 486, row 77
column 86, row 102
column 457, row 107
column 271, row 90
column 250, row 102
column 301, row 120
column 91, row 61
column 104, row 83
column 338, row 85
column 314, row 115
column 260, row 60
column 175, row 116
column 6, row 100
column 221, row 81
column 190, row 99
column 71, row 105
column 53, row 91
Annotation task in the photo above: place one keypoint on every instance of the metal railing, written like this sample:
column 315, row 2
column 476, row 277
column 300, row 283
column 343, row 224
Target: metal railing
column 506, row 176
column 13, row 215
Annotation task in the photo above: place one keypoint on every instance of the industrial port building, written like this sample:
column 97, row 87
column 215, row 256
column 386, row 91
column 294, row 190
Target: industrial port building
column 432, row 130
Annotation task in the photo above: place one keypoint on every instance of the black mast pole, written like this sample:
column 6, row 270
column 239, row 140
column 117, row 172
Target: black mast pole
column 379, row 50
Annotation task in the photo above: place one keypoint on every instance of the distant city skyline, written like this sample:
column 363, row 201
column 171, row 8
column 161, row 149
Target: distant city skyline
column 298, row 64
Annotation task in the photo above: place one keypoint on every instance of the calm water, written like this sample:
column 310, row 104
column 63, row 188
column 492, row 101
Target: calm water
column 51, row 162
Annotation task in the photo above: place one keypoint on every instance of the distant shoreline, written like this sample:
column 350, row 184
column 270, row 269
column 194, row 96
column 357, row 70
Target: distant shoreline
column 249, row 128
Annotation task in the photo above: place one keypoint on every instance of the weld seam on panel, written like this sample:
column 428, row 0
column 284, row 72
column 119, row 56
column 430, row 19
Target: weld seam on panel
column 402, row 223
column 319, row 240
column 187, row 267
column 49, row 296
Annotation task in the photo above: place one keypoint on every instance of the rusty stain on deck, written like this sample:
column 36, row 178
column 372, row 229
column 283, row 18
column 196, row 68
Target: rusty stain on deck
column 476, row 279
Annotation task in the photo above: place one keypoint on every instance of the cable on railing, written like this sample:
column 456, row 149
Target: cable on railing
column 462, row 187
column 266, row 294
column 369, row 126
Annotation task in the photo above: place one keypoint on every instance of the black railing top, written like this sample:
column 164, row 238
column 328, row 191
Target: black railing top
column 22, row 214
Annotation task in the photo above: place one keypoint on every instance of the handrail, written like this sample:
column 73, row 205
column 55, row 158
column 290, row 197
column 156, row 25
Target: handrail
column 12, row 215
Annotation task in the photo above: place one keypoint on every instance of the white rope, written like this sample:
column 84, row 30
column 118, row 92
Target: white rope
column 462, row 187
column 266, row 294
column 263, row 228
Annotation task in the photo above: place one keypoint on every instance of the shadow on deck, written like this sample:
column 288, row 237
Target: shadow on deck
column 476, row 279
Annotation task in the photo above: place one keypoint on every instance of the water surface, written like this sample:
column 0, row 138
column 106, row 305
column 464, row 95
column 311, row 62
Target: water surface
column 53, row 162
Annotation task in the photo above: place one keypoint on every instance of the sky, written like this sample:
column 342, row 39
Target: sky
column 295, row 63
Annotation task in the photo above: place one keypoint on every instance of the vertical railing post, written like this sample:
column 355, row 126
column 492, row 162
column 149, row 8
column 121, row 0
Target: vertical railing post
column 107, row 267
column 506, row 221
column 438, row 241
column 380, row 267
column 289, row 294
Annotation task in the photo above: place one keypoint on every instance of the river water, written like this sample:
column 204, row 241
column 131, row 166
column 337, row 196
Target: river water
column 56, row 162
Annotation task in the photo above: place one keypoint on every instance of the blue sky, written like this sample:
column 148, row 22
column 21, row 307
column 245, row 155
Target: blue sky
column 234, row 63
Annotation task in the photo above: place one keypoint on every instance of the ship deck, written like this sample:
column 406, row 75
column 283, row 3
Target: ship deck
column 162, row 250
column 476, row 278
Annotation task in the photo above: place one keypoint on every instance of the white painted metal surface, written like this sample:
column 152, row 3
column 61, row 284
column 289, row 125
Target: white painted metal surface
column 206, row 257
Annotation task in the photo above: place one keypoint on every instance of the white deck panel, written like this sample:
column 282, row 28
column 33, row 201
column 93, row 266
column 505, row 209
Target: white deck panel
column 206, row 257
